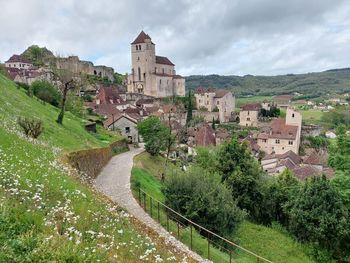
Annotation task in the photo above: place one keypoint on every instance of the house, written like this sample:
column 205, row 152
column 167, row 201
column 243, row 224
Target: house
column 317, row 159
column 216, row 100
column 221, row 135
column 150, row 74
column 126, row 124
column 284, row 134
column 201, row 136
column 108, row 95
column 276, row 163
column 249, row 114
column 18, row 62
column 283, row 101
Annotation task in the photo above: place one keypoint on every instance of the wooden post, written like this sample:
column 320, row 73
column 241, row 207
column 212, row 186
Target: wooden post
column 191, row 236
column 158, row 214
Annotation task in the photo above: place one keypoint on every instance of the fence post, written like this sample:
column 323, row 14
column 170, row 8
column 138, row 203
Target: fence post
column 208, row 247
column 191, row 235
column 158, row 213
column 140, row 201
column 178, row 230
column 150, row 200
column 167, row 220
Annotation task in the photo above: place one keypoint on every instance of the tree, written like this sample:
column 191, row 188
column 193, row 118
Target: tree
column 317, row 215
column 213, row 124
column 47, row 92
column 201, row 197
column 278, row 192
column 68, row 83
column 189, row 108
column 154, row 133
column 341, row 183
column 31, row 127
column 339, row 157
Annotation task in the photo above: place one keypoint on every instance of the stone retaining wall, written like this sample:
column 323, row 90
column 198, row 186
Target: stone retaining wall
column 91, row 161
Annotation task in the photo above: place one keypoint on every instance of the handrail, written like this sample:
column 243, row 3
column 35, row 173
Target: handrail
column 206, row 230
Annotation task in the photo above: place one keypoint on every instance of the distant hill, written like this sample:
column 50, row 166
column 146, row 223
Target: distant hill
column 311, row 85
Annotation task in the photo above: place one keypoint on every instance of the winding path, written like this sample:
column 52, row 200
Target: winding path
column 114, row 181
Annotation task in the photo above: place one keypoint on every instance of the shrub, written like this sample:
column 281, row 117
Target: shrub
column 45, row 91
column 31, row 127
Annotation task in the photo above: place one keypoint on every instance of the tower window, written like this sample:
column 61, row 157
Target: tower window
column 292, row 115
column 160, row 81
column 139, row 71
column 138, row 58
column 155, row 69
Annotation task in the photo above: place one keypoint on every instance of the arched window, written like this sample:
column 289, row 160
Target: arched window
column 137, row 47
column 139, row 71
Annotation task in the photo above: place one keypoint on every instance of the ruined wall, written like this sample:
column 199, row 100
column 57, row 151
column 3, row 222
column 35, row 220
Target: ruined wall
column 77, row 66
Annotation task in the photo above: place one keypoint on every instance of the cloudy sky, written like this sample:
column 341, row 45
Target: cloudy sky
column 260, row 37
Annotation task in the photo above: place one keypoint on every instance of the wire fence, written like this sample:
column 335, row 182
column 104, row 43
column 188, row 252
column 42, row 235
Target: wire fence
column 209, row 245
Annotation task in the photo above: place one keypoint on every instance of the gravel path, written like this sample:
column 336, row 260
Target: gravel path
column 114, row 181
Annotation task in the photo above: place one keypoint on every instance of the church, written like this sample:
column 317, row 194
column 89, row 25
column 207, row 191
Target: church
column 150, row 74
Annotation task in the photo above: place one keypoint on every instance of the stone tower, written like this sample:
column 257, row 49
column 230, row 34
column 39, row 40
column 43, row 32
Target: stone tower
column 150, row 74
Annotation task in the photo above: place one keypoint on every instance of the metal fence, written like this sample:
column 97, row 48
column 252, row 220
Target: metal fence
column 217, row 248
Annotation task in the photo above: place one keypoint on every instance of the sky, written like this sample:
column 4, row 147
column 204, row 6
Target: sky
column 227, row 37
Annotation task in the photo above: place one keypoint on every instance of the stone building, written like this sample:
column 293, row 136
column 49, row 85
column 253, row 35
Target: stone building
column 249, row 115
column 284, row 134
column 216, row 100
column 150, row 74
column 18, row 62
column 126, row 124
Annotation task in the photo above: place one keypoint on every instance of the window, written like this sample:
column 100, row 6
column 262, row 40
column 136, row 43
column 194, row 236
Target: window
column 218, row 103
column 144, row 76
column 199, row 101
column 137, row 47
column 277, row 141
column 292, row 115
column 155, row 69
column 138, row 58
column 248, row 113
column 290, row 142
column 264, row 140
column 160, row 81
column 127, row 129
column 139, row 71
column 248, row 119
column 207, row 102
column 163, row 70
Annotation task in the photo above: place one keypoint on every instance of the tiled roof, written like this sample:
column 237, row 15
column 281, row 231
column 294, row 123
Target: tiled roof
column 219, row 93
column 17, row 58
column 282, row 131
column 317, row 158
column 302, row 172
column 290, row 155
column 263, row 136
column 164, row 61
column 109, row 95
column 141, row 38
column 107, row 109
column 205, row 136
column 144, row 101
column 251, row 107
column 110, row 119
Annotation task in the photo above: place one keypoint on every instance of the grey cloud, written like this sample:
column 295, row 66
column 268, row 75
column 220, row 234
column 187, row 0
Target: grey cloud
column 200, row 37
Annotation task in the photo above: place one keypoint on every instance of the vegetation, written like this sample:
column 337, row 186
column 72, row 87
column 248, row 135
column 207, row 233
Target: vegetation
column 312, row 85
column 47, row 215
column 31, row 127
column 154, row 133
column 336, row 117
column 272, row 243
column 37, row 55
column 201, row 197
column 47, row 92
column 189, row 108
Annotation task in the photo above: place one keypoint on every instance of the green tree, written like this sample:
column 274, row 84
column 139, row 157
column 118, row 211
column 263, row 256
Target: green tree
column 317, row 215
column 339, row 157
column 243, row 175
column 47, row 92
column 341, row 183
column 154, row 133
column 200, row 196
column 189, row 108
column 213, row 124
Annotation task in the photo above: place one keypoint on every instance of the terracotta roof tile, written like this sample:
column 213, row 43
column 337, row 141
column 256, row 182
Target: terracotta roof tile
column 141, row 38
column 17, row 58
column 164, row 61
column 251, row 107
column 205, row 136
column 317, row 158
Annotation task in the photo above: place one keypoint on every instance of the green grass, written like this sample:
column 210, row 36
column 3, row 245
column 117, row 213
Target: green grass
column 15, row 103
column 271, row 243
column 46, row 213
column 240, row 101
column 311, row 116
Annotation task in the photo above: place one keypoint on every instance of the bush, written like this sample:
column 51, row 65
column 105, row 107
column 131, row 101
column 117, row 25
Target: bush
column 31, row 127
column 47, row 92
column 201, row 197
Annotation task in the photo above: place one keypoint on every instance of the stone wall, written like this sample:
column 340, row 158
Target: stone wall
column 91, row 161
column 77, row 66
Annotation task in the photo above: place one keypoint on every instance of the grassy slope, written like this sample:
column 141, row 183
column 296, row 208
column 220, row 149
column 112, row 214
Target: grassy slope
column 270, row 243
column 46, row 215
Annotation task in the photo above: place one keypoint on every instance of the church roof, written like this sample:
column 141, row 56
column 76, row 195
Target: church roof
column 164, row 60
column 141, row 38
